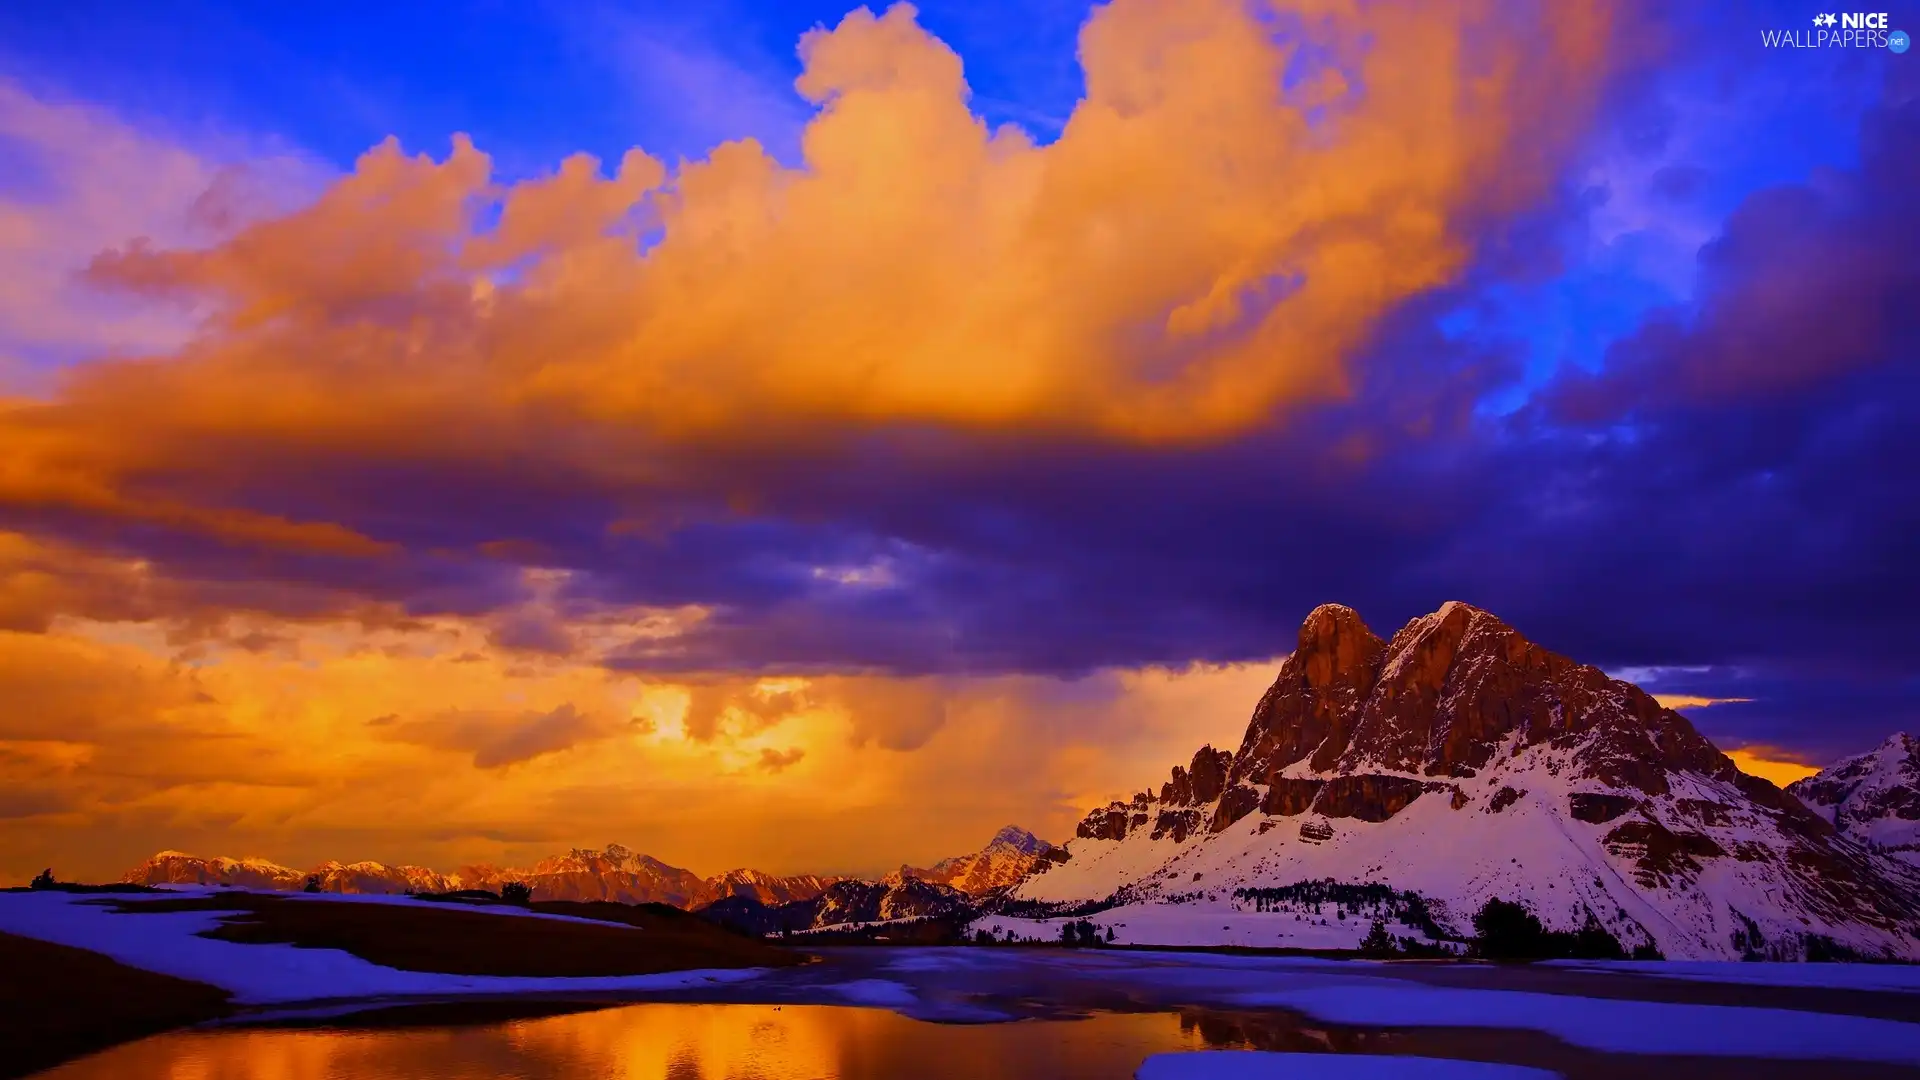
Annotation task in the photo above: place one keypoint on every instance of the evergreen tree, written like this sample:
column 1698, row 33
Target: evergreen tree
column 313, row 883
column 43, row 880
column 1508, row 931
column 1378, row 942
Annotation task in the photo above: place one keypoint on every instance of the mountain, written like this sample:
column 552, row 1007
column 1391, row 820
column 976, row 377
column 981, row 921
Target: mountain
column 1874, row 797
column 615, row 873
column 1011, row 855
column 1458, row 762
column 180, row 868
column 849, row 903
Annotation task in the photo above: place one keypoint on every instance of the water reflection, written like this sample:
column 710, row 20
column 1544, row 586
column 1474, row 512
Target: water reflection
column 667, row 1042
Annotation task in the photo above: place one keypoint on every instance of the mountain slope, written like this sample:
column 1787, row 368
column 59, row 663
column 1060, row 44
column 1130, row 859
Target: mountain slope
column 1011, row 855
column 1873, row 797
column 844, row 904
column 1461, row 762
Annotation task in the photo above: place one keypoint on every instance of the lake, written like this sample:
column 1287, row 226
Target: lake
column 664, row 1042
column 879, row 1014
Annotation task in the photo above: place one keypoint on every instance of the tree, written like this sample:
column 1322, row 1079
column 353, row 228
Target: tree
column 983, row 936
column 43, row 880
column 1508, row 931
column 313, row 883
column 1378, row 942
column 1067, row 935
column 1109, row 935
column 1088, row 933
column 517, row 892
column 1592, row 942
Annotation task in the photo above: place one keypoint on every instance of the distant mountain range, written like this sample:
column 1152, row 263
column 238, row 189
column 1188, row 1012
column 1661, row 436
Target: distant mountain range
column 613, row 874
column 1458, row 762
column 1410, row 779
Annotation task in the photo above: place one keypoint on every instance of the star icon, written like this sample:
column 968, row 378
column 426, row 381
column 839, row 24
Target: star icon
column 1830, row 19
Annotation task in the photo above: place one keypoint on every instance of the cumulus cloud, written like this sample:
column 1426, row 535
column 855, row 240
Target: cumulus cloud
column 1218, row 226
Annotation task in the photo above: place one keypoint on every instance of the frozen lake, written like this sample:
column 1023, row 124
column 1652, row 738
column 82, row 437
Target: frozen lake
column 1018, row 1013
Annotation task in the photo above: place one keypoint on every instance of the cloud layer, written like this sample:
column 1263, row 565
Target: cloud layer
column 901, row 474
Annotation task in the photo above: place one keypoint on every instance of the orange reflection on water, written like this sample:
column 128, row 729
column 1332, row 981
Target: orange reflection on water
column 662, row 1042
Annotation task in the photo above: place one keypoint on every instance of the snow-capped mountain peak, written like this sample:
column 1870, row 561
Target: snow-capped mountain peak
column 1873, row 797
column 1461, row 762
column 1012, row 854
column 1015, row 838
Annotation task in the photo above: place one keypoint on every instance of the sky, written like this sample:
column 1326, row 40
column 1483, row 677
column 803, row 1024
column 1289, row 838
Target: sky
column 787, row 435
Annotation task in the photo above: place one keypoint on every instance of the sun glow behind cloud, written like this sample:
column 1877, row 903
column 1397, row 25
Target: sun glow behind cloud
column 1762, row 763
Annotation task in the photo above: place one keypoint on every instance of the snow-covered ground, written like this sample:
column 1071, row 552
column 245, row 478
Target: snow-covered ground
column 833, row 928
column 1458, row 856
column 168, row 943
column 1259, row 1065
column 1204, row 923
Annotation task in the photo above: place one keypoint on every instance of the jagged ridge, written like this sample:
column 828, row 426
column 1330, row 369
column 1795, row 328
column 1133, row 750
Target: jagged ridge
column 1462, row 761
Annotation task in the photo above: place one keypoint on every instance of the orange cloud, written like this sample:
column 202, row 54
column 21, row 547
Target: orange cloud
column 1693, row 701
column 1205, row 245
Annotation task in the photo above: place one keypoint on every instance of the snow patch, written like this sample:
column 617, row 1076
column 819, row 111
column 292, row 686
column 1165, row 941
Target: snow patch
column 1611, row 1026
column 168, row 943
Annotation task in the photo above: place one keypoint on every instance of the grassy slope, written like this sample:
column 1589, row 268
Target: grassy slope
column 58, row 1003
column 459, row 941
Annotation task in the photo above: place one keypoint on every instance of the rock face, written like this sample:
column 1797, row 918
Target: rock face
column 1874, row 797
column 1011, row 855
column 615, row 873
column 1460, row 761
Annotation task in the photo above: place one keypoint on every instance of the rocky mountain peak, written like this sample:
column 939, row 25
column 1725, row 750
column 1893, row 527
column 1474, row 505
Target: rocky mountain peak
column 1462, row 756
column 1011, row 855
column 1371, row 721
column 1336, row 648
column 1018, row 839
column 1872, row 797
